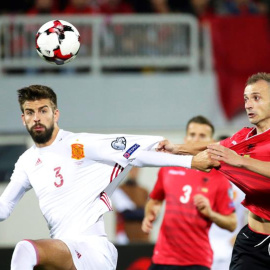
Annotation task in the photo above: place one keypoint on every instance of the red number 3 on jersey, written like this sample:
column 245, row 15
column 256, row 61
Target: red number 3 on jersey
column 58, row 175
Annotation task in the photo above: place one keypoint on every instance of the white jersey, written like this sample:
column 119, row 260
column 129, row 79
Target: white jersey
column 70, row 175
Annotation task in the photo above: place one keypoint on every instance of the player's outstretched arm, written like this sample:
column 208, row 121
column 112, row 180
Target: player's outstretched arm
column 182, row 149
column 10, row 197
column 152, row 210
column 227, row 222
column 221, row 153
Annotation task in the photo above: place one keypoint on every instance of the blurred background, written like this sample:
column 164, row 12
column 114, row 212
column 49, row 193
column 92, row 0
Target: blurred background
column 144, row 67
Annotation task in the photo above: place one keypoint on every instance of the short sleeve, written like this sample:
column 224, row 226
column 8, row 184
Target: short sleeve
column 158, row 192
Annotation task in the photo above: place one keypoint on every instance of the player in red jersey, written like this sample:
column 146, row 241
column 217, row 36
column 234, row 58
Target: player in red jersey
column 194, row 200
column 245, row 161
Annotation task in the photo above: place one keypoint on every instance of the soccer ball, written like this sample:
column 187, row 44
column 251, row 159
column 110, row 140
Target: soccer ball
column 57, row 42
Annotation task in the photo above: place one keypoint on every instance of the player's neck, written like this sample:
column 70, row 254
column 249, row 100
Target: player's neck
column 263, row 126
column 49, row 142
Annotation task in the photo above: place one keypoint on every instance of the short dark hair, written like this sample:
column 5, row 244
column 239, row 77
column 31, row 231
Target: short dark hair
column 36, row 92
column 257, row 77
column 199, row 119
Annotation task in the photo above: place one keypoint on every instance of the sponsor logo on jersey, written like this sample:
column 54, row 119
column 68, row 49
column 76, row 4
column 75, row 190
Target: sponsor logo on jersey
column 131, row 150
column 119, row 143
column 175, row 172
column 79, row 255
column 38, row 162
column 77, row 151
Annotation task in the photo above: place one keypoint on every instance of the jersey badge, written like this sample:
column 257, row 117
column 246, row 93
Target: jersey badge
column 77, row 151
column 204, row 189
column 119, row 143
column 250, row 146
column 131, row 150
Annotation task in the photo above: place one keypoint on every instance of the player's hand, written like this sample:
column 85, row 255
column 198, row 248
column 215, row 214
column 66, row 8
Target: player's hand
column 177, row 149
column 147, row 223
column 221, row 153
column 204, row 162
column 167, row 147
column 203, row 205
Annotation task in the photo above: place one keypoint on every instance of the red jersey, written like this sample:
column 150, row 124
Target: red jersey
column 183, row 237
column 256, row 187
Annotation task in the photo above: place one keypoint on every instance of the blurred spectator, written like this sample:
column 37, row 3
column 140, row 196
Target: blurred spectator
column 129, row 201
column 14, row 7
column 263, row 7
column 202, row 8
column 141, row 6
column 198, row 8
column 81, row 7
column 43, row 7
column 110, row 7
column 160, row 6
column 238, row 7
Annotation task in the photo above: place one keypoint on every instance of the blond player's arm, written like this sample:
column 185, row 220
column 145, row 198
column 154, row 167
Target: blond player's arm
column 151, row 212
column 228, row 222
column 221, row 153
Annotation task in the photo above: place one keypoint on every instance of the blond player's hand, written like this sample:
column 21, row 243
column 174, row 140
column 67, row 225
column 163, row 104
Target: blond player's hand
column 221, row 153
column 203, row 205
column 204, row 162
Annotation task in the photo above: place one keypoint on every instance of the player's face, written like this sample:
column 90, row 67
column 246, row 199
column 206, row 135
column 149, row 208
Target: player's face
column 198, row 133
column 257, row 104
column 40, row 119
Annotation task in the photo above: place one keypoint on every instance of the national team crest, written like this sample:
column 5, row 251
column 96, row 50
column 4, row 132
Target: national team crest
column 77, row 151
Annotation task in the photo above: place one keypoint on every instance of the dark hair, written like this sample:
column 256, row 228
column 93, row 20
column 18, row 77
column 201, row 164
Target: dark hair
column 36, row 92
column 201, row 120
column 257, row 77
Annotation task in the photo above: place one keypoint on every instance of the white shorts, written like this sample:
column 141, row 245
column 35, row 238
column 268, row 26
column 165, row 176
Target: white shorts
column 92, row 252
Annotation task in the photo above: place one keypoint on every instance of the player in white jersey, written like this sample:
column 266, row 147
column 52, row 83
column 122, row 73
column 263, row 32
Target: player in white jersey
column 72, row 175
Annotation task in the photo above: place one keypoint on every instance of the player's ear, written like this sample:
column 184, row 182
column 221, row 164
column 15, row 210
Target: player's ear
column 56, row 115
column 23, row 120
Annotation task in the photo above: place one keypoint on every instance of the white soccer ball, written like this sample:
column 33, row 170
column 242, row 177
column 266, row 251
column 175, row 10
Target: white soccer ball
column 57, row 42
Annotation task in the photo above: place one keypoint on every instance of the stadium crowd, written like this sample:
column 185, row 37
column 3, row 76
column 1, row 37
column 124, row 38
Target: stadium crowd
column 197, row 7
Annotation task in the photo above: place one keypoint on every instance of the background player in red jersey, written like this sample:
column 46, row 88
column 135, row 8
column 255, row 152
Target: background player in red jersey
column 245, row 161
column 194, row 200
